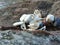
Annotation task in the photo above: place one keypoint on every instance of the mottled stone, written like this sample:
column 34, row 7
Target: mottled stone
column 25, row 38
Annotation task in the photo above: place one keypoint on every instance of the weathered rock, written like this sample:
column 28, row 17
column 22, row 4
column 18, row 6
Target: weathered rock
column 56, row 9
column 25, row 38
column 12, row 14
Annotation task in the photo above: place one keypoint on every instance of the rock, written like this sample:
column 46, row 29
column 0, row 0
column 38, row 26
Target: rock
column 25, row 38
column 21, row 10
column 56, row 9
column 12, row 14
column 7, row 35
column 45, row 7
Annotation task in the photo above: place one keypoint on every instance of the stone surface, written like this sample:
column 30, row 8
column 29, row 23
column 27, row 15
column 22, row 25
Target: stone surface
column 25, row 38
column 12, row 14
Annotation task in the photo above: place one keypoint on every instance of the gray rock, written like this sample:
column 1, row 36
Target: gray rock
column 25, row 38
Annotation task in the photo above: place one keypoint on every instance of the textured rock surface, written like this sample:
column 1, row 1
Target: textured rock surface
column 12, row 14
column 24, row 38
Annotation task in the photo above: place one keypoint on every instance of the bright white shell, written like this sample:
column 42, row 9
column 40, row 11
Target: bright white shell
column 17, row 23
column 37, row 13
column 26, row 17
column 50, row 18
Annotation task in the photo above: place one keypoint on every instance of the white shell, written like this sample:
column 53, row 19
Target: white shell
column 26, row 17
column 17, row 23
column 50, row 18
column 34, row 24
column 37, row 13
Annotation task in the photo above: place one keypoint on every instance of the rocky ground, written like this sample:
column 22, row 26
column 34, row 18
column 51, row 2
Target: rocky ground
column 12, row 13
column 24, row 38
